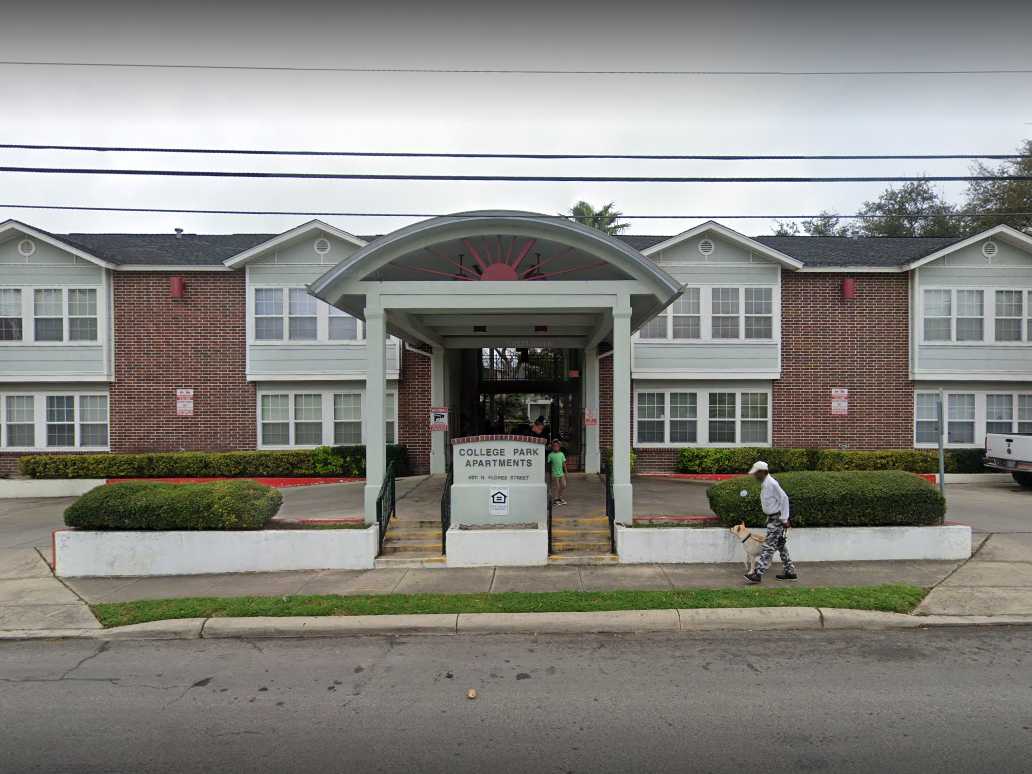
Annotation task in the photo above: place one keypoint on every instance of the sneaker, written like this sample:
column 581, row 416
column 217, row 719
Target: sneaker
column 753, row 577
column 561, row 501
column 787, row 576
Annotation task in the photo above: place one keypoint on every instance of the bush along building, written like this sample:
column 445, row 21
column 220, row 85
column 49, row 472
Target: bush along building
column 316, row 337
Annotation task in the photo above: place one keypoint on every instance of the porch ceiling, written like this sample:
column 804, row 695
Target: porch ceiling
column 472, row 328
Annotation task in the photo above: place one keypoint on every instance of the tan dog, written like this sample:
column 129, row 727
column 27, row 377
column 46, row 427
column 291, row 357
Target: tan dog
column 752, row 544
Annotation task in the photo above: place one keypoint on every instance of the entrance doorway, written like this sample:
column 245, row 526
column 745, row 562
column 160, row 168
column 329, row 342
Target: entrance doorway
column 507, row 388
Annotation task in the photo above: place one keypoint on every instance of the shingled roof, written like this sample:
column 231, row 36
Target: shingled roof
column 190, row 250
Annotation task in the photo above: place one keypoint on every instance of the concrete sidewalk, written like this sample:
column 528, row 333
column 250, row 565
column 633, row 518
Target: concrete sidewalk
column 31, row 598
column 996, row 580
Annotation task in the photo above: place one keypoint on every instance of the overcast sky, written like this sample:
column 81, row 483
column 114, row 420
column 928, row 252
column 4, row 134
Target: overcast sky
column 542, row 114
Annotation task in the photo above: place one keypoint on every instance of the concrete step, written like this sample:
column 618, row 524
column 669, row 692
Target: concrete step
column 578, row 534
column 409, row 533
column 579, row 521
column 583, row 558
column 415, row 523
column 431, row 548
column 586, row 546
column 409, row 561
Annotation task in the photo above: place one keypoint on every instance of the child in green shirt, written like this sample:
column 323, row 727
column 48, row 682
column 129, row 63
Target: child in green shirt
column 557, row 467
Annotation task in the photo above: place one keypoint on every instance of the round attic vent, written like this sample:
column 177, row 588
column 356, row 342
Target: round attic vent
column 990, row 249
column 322, row 245
column 27, row 247
column 706, row 246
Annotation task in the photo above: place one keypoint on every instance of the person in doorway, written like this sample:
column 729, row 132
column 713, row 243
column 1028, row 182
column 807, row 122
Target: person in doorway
column 557, row 467
column 775, row 505
column 537, row 430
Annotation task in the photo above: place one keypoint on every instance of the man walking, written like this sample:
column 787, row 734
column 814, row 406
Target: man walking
column 775, row 505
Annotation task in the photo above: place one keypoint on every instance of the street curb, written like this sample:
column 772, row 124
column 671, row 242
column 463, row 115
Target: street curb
column 608, row 622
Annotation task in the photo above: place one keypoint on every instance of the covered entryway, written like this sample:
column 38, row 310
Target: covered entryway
column 508, row 281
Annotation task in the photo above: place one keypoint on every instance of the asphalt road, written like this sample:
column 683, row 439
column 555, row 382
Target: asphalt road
column 942, row 701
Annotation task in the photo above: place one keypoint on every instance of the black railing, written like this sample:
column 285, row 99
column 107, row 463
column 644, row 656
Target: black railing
column 386, row 502
column 446, row 509
column 548, row 497
column 607, row 482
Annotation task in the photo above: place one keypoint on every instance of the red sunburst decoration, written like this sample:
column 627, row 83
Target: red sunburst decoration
column 493, row 266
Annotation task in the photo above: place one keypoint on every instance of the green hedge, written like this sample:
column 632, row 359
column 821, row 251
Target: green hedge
column 607, row 458
column 145, row 505
column 912, row 460
column 322, row 461
column 877, row 498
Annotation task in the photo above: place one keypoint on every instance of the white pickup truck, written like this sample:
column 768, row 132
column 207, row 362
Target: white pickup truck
column 1010, row 453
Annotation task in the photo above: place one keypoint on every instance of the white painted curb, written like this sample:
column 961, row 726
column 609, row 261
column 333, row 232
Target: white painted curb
column 47, row 487
column 496, row 547
column 82, row 553
column 979, row 478
column 714, row 545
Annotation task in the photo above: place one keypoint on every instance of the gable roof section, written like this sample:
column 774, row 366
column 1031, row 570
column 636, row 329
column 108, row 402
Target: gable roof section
column 1004, row 232
column 187, row 250
column 55, row 240
column 856, row 252
column 731, row 235
column 289, row 236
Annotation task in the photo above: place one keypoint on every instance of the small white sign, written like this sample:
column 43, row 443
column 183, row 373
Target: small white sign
column 184, row 393
column 499, row 502
column 839, row 393
column 184, row 408
column 840, row 408
column 439, row 419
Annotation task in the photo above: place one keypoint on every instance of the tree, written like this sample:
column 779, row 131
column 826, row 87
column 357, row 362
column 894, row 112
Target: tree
column 1009, row 196
column 604, row 219
column 913, row 210
column 824, row 224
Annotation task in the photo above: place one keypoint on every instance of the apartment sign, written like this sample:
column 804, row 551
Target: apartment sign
column 839, row 402
column 184, row 402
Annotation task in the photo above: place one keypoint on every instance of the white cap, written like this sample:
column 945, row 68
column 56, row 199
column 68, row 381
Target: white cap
column 761, row 465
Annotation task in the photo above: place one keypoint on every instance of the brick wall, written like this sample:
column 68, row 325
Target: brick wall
column 162, row 344
column 860, row 344
column 414, row 409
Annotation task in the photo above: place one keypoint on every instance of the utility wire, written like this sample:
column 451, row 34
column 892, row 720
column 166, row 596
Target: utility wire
column 679, row 216
column 513, row 71
column 547, row 156
column 505, row 178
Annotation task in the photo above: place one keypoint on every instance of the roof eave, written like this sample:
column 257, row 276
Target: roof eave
column 313, row 225
column 784, row 259
column 1012, row 234
column 17, row 225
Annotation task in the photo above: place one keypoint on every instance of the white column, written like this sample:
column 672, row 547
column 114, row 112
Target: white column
column 592, row 457
column 375, row 429
column 622, row 495
column 438, row 397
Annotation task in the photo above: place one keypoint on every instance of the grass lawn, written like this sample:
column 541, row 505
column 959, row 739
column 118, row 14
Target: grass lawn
column 891, row 598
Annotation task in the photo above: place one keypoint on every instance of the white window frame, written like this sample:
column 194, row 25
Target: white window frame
column 39, row 416
column 988, row 316
column 326, row 394
column 322, row 336
column 28, row 316
column 981, row 418
column 706, row 317
column 702, row 420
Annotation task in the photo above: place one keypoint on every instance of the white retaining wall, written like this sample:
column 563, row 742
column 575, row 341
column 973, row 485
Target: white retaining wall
column 677, row 545
column 81, row 553
column 47, row 487
column 497, row 547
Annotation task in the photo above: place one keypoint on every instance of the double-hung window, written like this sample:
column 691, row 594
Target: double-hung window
column 708, row 417
column 651, row 417
column 48, row 314
column 938, row 315
column 926, row 417
column 960, row 424
column 686, row 316
column 342, row 326
column 53, row 421
column 268, row 314
column 999, row 413
column 275, row 420
column 20, row 421
column 759, row 313
column 1010, row 315
column 722, row 414
column 308, row 419
column 755, row 417
column 667, row 417
column 970, row 315
column 725, row 313
column 684, row 412
column 303, row 316
column 1025, row 414
column 347, row 419
column 314, row 418
column 10, row 314
column 82, row 314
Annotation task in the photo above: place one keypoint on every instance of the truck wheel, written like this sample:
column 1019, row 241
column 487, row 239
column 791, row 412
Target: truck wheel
column 1023, row 479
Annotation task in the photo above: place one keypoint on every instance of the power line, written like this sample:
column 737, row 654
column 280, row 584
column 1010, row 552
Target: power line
column 545, row 156
column 513, row 70
column 345, row 214
column 506, row 178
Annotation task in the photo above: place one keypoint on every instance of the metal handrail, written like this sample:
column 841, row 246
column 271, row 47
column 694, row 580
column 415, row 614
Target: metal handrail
column 446, row 509
column 548, row 497
column 386, row 503
column 607, row 473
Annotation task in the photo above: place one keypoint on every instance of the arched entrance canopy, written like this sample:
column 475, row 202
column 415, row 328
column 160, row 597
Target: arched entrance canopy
column 526, row 259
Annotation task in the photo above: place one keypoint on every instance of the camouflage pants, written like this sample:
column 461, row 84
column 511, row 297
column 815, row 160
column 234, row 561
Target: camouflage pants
column 776, row 540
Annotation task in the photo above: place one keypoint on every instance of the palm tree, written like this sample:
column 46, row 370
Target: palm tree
column 604, row 218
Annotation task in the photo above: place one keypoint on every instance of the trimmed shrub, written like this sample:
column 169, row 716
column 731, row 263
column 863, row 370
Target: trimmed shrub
column 322, row 461
column 739, row 460
column 607, row 458
column 145, row 505
column 881, row 498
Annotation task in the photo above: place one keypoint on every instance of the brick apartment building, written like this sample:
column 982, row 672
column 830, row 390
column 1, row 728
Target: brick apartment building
column 143, row 342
